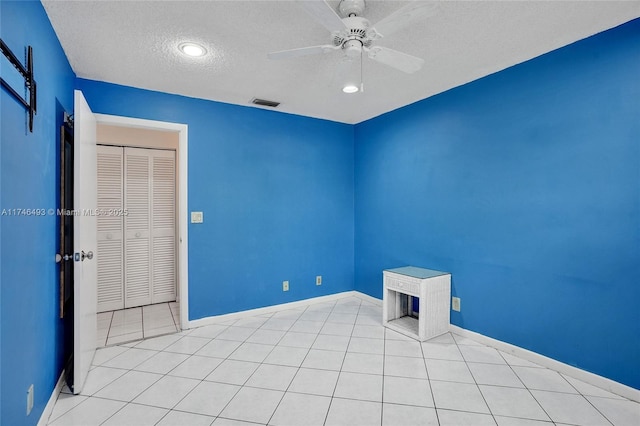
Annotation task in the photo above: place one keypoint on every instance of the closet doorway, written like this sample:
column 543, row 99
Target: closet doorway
column 137, row 288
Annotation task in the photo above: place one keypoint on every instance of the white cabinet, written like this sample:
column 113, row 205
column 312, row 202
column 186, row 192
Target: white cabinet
column 136, row 227
column 433, row 290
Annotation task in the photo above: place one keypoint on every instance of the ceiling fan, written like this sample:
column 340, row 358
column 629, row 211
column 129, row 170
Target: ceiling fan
column 354, row 35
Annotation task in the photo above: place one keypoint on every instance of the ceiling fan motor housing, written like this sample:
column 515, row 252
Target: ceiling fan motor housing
column 355, row 37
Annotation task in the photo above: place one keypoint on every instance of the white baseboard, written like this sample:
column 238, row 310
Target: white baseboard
column 571, row 371
column 48, row 409
column 269, row 309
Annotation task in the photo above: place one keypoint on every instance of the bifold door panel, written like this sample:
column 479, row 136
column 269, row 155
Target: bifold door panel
column 110, row 229
column 142, row 225
column 137, row 205
column 163, row 199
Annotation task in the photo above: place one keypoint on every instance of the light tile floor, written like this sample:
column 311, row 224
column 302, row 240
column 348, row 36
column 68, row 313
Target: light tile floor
column 327, row 364
column 127, row 325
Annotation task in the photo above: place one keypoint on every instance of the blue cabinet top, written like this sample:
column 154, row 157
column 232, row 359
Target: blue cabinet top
column 415, row 272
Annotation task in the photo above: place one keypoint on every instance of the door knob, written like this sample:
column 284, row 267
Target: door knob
column 88, row 255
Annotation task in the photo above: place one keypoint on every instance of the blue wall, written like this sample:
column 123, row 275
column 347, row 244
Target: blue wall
column 525, row 185
column 276, row 191
column 32, row 335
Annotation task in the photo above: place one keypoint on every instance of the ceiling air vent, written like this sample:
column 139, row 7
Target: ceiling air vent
column 264, row 102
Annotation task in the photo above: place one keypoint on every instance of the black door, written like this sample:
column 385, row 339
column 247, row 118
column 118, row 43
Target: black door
column 65, row 220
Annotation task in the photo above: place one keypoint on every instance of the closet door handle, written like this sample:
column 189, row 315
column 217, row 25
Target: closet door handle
column 138, row 234
column 88, row 255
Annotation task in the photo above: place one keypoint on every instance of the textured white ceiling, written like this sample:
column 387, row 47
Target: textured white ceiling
column 134, row 43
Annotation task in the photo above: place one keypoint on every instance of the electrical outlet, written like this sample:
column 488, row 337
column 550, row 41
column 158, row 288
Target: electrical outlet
column 455, row 304
column 285, row 285
column 319, row 280
column 29, row 399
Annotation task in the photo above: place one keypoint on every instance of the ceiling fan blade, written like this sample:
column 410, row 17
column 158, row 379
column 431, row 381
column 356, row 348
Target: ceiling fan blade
column 402, row 17
column 322, row 12
column 303, row 51
column 393, row 58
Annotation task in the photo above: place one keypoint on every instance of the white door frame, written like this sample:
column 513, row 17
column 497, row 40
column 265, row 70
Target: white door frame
column 183, row 223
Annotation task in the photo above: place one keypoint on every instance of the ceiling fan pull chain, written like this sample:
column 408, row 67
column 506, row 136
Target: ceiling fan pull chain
column 361, row 73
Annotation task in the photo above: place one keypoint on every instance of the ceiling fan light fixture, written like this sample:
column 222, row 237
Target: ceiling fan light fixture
column 350, row 88
column 192, row 49
column 352, row 48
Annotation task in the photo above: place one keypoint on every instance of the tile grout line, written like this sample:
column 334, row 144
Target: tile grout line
column 300, row 366
column 585, row 398
column 341, row 365
column 106, row 339
column 384, row 361
column 227, row 358
column 141, row 330
column 335, row 303
column 137, row 365
column 527, row 388
column 93, row 395
column 424, row 362
column 302, row 362
column 263, row 363
column 133, row 369
column 311, row 347
column 190, row 355
column 475, row 381
column 211, row 372
column 167, row 374
column 106, row 344
column 175, row 323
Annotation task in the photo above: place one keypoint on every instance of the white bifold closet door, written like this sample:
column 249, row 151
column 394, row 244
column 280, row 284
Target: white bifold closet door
column 147, row 262
column 137, row 227
column 163, row 232
column 110, row 228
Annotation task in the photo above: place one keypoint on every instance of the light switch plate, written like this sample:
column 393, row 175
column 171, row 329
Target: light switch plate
column 197, row 217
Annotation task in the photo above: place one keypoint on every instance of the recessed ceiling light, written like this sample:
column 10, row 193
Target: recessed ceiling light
column 192, row 49
column 350, row 88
